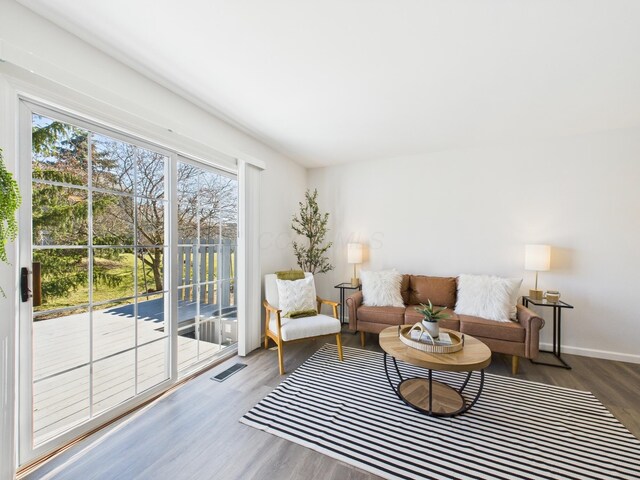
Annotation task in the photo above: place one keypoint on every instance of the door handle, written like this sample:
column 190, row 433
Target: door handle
column 25, row 293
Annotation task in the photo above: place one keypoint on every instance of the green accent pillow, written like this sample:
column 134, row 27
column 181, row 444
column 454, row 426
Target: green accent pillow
column 290, row 275
column 302, row 313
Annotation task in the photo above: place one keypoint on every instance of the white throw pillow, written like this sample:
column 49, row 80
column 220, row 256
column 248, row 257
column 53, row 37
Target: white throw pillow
column 296, row 295
column 487, row 296
column 381, row 289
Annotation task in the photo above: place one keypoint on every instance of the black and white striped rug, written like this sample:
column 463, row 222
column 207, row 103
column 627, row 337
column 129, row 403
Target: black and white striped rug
column 517, row 430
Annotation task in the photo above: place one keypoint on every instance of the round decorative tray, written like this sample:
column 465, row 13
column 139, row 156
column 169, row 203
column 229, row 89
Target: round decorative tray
column 404, row 333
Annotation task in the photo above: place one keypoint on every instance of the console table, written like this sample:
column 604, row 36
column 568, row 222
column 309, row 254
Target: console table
column 557, row 329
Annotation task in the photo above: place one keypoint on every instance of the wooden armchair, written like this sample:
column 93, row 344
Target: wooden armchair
column 288, row 330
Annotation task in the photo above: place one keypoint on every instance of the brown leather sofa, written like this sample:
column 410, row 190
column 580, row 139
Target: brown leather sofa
column 519, row 339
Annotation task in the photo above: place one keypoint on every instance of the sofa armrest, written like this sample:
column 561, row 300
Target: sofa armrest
column 353, row 303
column 532, row 324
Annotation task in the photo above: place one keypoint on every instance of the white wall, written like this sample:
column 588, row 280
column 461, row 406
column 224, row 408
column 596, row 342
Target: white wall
column 472, row 211
column 78, row 76
column 121, row 93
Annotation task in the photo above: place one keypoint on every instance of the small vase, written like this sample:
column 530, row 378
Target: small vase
column 432, row 328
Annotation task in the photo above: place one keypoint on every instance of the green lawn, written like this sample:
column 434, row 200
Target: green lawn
column 120, row 268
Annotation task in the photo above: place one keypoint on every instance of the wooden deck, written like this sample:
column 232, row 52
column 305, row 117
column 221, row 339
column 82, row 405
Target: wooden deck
column 61, row 389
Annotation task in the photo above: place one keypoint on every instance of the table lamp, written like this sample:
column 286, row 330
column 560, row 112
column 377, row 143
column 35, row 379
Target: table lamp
column 538, row 259
column 354, row 255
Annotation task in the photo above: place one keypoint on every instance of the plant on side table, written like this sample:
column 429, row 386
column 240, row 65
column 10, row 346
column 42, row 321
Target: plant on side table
column 431, row 316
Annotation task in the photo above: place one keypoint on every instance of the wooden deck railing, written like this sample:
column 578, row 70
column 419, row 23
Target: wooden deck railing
column 211, row 267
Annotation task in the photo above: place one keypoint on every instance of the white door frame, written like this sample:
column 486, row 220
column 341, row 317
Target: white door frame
column 26, row 450
column 17, row 83
column 8, row 304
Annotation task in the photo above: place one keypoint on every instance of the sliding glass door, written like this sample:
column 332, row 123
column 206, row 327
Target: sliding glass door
column 98, row 335
column 207, row 245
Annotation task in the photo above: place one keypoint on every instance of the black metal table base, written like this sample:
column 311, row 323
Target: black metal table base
column 562, row 364
column 342, row 306
column 466, row 405
column 344, row 286
column 557, row 332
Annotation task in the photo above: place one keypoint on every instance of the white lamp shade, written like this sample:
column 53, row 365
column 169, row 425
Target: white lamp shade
column 354, row 253
column 537, row 257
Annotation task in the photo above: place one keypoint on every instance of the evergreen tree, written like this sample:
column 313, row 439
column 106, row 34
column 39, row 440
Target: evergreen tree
column 60, row 213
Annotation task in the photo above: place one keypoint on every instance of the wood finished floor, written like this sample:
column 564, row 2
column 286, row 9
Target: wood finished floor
column 194, row 432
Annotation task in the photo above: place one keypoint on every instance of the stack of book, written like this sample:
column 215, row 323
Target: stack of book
column 443, row 339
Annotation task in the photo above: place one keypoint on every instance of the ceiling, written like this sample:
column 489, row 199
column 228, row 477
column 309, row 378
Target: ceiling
column 334, row 81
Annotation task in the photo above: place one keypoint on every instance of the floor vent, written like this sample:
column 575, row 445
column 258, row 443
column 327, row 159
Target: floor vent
column 228, row 372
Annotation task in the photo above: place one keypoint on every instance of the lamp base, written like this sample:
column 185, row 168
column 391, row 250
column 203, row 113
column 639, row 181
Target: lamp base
column 535, row 294
column 355, row 281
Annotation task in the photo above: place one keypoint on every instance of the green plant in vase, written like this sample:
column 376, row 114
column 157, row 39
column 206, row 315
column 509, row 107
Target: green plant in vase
column 431, row 316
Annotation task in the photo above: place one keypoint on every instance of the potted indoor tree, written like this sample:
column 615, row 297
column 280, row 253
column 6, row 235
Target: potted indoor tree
column 431, row 316
column 311, row 224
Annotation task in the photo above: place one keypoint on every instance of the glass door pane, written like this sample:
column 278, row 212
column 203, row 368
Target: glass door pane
column 62, row 324
column 101, row 218
column 207, row 231
column 99, row 337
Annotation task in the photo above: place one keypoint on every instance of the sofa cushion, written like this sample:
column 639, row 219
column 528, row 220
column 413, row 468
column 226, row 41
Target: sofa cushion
column 481, row 327
column 452, row 322
column 488, row 296
column 404, row 288
column 381, row 288
column 440, row 290
column 386, row 315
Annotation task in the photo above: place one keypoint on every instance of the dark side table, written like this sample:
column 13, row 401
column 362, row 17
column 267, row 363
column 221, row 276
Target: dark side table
column 557, row 329
column 343, row 287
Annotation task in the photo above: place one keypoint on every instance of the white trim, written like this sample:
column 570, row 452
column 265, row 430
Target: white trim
column 24, row 318
column 171, row 274
column 588, row 352
column 249, row 292
column 8, row 305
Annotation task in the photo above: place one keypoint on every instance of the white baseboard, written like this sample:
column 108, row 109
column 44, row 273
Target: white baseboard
column 585, row 352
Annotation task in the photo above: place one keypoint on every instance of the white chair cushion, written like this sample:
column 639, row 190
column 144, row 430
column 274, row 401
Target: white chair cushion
column 305, row 327
column 296, row 295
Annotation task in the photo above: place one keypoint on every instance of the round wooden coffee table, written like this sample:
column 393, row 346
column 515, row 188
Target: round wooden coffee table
column 425, row 394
